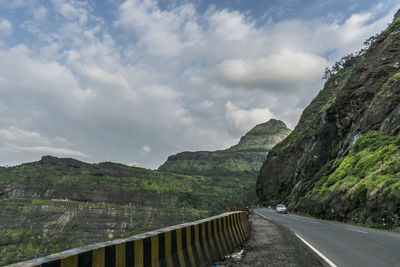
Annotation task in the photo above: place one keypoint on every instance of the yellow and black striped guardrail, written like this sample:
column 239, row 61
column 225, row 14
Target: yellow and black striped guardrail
column 199, row 243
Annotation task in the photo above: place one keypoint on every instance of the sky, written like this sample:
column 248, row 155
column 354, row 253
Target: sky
column 134, row 81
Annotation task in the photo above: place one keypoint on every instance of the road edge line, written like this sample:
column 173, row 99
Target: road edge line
column 265, row 217
column 329, row 262
column 356, row 230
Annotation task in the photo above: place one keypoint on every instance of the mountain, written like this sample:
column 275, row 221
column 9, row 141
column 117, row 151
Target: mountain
column 342, row 160
column 59, row 203
column 241, row 160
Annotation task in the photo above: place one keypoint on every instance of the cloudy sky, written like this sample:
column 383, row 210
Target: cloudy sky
column 135, row 81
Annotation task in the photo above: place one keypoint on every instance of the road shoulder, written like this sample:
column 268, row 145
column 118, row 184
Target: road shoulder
column 271, row 244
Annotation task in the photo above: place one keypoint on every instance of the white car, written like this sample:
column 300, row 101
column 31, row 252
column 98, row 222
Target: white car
column 280, row 208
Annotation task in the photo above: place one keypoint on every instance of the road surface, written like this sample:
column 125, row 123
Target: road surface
column 343, row 244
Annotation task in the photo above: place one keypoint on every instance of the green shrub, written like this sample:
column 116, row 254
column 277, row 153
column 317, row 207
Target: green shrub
column 361, row 193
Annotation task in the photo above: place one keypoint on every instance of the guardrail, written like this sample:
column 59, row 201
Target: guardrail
column 199, row 243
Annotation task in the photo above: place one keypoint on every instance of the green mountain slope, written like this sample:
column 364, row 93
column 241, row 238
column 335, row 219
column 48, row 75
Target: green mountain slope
column 342, row 159
column 241, row 160
column 55, row 204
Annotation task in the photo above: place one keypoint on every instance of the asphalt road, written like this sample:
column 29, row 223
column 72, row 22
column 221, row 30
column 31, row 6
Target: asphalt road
column 343, row 244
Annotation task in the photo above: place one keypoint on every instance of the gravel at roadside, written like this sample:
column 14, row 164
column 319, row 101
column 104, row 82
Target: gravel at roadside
column 271, row 244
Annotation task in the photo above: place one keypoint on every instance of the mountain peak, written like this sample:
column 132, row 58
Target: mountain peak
column 67, row 162
column 265, row 135
column 274, row 121
column 273, row 125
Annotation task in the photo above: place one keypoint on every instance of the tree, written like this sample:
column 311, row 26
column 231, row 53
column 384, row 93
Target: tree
column 327, row 74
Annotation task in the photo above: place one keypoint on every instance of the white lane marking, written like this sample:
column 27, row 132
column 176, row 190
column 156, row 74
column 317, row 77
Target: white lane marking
column 355, row 230
column 314, row 222
column 316, row 251
column 268, row 218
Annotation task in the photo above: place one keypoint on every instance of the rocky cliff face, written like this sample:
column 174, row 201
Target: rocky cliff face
column 35, row 228
column 241, row 160
column 342, row 159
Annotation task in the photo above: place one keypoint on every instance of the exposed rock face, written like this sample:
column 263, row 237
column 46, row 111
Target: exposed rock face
column 332, row 165
column 241, row 160
column 35, row 228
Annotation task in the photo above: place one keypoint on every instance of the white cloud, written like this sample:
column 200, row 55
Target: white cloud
column 101, row 76
column 13, row 133
column 65, row 8
column 231, row 26
column 5, row 26
column 159, row 30
column 16, row 142
column 40, row 13
column 49, row 78
column 242, row 120
column 71, row 10
column 56, row 151
column 145, row 150
column 355, row 28
column 284, row 70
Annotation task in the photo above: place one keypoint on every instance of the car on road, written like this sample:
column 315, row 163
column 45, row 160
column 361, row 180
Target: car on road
column 281, row 208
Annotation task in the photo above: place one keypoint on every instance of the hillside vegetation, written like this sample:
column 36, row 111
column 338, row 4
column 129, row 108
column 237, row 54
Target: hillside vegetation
column 342, row 159
column 56, row 204
column 238, row 165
